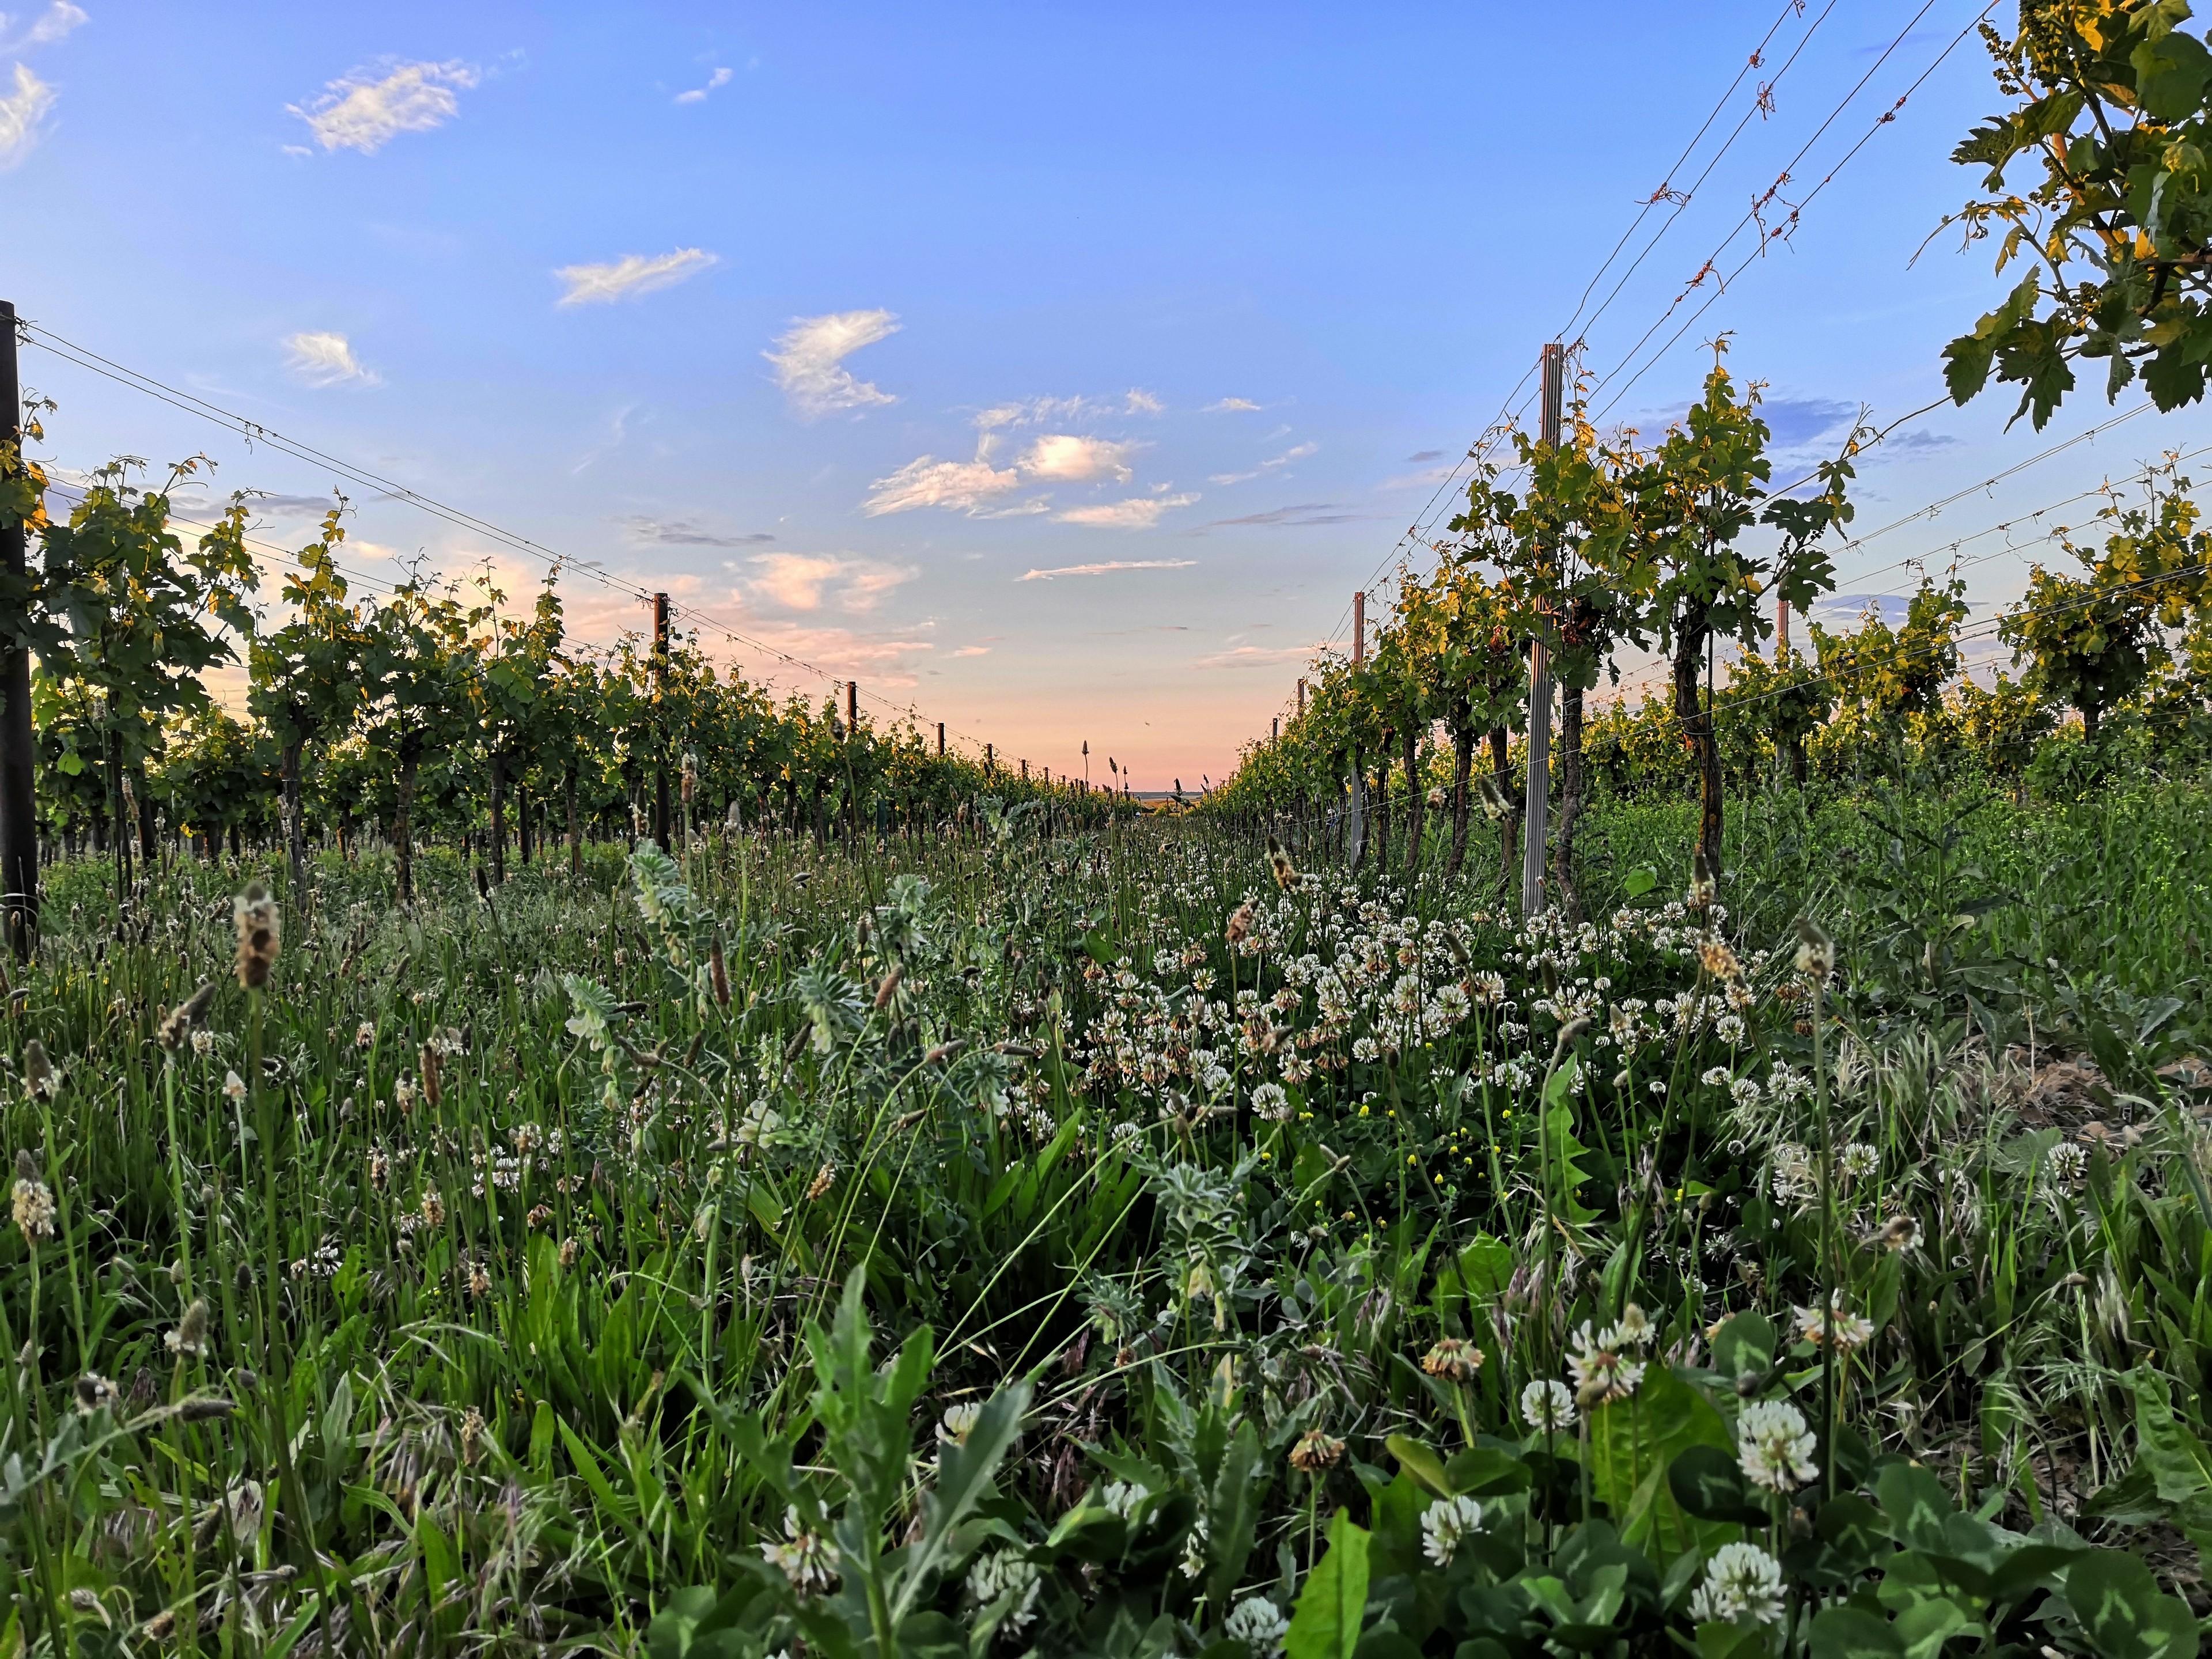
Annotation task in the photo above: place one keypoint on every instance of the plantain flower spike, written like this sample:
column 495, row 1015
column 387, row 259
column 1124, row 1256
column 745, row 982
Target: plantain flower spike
column 260, row 935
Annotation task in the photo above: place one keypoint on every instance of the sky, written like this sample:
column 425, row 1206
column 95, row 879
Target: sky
column 1056, row 372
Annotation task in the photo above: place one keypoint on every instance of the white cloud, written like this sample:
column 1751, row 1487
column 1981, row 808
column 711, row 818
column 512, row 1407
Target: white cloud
column 810, row 364
column 324, row 359
column 1141, row 401
column 23, row 117
column 719, row 78
column 1138, row 513
column 57, row 22
column 1231, row 406
column 363, row 112
column 630, row 276
column 955, row 486
column 1256, row 656
column 1067, row 459
column 973, row 650
column 799, row 581
column 1109, row 565
column 1296, row 452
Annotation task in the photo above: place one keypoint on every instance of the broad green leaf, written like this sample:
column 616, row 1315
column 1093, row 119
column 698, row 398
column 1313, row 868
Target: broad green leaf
column 1325, row 1624
column 1848, row 1633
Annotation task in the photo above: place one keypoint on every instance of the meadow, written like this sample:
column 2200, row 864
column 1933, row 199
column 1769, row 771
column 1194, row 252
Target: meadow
column 1157, row 1239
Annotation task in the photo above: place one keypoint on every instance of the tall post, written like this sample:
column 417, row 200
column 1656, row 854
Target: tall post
column 1025, row 771
column 19, row 814
column 1781, row 628
column 941, row 740
column 660, row 754
column 1539, row 681
column 852, row 706
column 1301, row 697
column 1355, row 834
column 988, row 760
column 1275, row 728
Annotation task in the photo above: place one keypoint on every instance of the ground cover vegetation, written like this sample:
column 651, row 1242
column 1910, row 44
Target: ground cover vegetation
column 859, row 1201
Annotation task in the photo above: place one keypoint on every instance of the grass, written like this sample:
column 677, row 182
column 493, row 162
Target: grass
column 963, row 1243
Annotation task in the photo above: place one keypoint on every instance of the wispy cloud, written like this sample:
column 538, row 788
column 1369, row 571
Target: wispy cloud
column 23, row 115
column 1138, row 401
column 1305, row 512
column 798, row 581
column 956, row 486
column 1103, row 569
column 325, row 359
column 1067, row 459
column 973, row 650
column 1421, row 455
column 687, row 532
column 1296, row 452
column 366, row 109
column 632, row 274
column 1231, row 406
column 57, row 22
column 1138, row 513
column 1256, row 656
column 718, row 80
column 809, row 361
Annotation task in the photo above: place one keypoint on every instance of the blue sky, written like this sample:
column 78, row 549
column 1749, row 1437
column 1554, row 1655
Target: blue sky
column 1058, row 372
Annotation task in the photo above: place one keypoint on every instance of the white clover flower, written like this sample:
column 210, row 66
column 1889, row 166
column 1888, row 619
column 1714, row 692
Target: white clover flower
column 364, row 1033
column 1259, row 1625
column 805, row 1558
column 1774, row 1446
column 1269, row 1101
column 1742, row 1581
column 958, row 1419
column 1848, row 1329
column 1547, row 1405
column 1005, row 1574
column 1730, row 1028
column 1444, row 1523
column 1717, row 1077
column 2067, row 1163
column 203, row 1043
column 1859, row 1160
column 1744, row 1091
column 1366, row 1050
column 1601, row 1371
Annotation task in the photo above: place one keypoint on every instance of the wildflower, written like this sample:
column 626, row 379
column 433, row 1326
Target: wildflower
column 473, row 1428
column 1316, row 1451
column 1742, row 1581
column 259, row 934
column 190, row 1337
column 1124, row 1498
column 1366, row 1050
column 1259, row 1625
column 823, row 1179
column 233, row 1087
column 1634, row 1329
column 1850, row 1330
column 433, row 1087
column 805, row 1557
column 1860, row 1160
column 1239, row 924
column 380, row 1168
column 478, row 1280
column 202, row 1043
column 1601, row 1371
column 1719, row 961
column 364, row 1033
column 433, row 1208
column 2067, row 1163
column 957, row 1420
column 1454, row 1359
column 184, row 1016
column 1547, row 1406
column 1004, row 1576
column 33, row 1206
column 1278, row 861
column 1445, row 1522
column 1773, row 1445
column 536, row 1216
column 1269, row 1101
column 94, row 1391
column 568, row 1248
column 1716, row 1077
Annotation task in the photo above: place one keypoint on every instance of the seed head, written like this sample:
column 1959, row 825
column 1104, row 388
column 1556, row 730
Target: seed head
column 432, row 1084
column 1816, row 951
column 823, row 1179
column 1454, row 1359
column 39, row 1074
column 1239, row 924
column 94, row 1391
column 1286, row 875
column 259, row 934
column 1316, row 1451
column 191, row 1336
